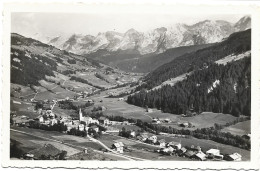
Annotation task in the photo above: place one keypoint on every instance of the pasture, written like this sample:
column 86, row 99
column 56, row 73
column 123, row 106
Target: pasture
column 240, row 128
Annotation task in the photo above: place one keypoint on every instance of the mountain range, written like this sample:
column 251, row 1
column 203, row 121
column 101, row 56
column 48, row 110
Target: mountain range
column 154, row 41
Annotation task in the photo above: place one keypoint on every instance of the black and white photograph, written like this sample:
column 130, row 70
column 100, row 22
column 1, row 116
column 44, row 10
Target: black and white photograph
column 130, row 86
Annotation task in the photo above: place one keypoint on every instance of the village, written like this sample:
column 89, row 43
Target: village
column 86, row 126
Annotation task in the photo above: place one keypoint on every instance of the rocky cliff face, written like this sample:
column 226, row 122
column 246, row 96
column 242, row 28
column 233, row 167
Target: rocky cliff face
column 157, row 40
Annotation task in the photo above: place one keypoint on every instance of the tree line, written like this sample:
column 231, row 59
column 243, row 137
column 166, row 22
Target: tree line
column 216, row 88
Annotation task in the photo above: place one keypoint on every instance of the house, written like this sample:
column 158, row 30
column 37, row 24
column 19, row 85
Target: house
column 161, row 143
column 94, row 127
column 40, row 119
column 103, row 120
column 132, row 134
column 233, row 157
column 95, row 121
column 125, row 123
column 120, row 99
column 182, row 151
column 212, row 153
column 185, row 125
column 218, row 157
column 142, row 137
column 175, row 145
column 53, row 121
column 81, row 127
column 155, row 120
column 195, row 148
column 168, row 150
column 200, row 156
column 167, row 120
column 28, row 156
column 20, row 121
column 189, row 153
column 152, row 139
column 118, row 146
column 149, row 110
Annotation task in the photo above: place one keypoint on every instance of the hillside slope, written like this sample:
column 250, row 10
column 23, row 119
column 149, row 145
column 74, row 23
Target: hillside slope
column 224, row 88
column 236, row 43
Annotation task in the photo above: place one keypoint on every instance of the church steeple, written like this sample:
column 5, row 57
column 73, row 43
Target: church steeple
column 80, row 115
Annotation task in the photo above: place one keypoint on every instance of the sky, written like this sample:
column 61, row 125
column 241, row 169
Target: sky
column 54, row 24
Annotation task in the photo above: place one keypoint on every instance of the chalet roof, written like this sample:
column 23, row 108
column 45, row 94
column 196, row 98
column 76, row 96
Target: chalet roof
column 235, row 156
column 189, row 153
column 118, row 144
column 201, row 155
column 183, row 149
column 213, row 151
column 46, row 150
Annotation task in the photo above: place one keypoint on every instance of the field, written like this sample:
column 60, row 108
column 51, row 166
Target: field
column 240, row 128
column 127, row 127
column 121, row 108
column 27, row 143
column 93, row 79
column 203, row 120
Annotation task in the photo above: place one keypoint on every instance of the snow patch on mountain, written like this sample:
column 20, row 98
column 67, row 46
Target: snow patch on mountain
column 157, row 40
column 214, row 85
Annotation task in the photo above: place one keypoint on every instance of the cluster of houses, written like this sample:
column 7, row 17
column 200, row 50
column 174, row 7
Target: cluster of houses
column 176, row 148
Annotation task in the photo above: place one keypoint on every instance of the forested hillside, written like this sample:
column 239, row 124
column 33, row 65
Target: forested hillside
column 236, row 43
column 32, row 60
column 216, row 88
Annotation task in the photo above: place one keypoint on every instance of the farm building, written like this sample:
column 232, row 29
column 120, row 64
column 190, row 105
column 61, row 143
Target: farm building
column 167, row 120
column 168, row 150
column 200, row 156
column 189, row 153
column 103, row 120
column 118, row 146
column 149, row 110
column 182, row 151
column 20, row 121
column 81, row 127
column 40, row 119
column 155, row 120
column 142, row 137
column 161, row 143
column 233, row 157
column 185, row 124
column 94, row 127
column 152, row 139
column 195, row 148
column 214, row 153
column 175, row 145
column 132, row 134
